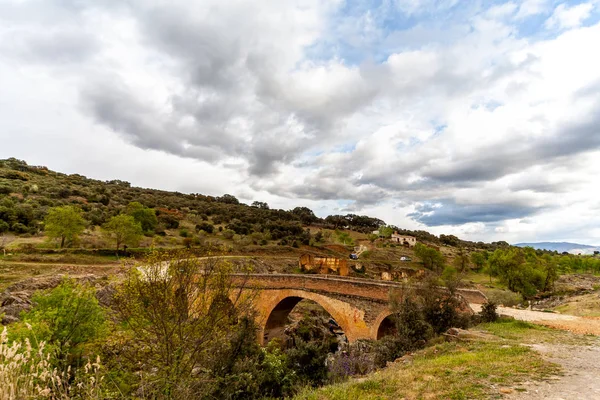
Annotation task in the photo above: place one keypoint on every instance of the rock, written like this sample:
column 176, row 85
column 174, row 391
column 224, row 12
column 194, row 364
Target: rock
column 462, row 334
column 8, row 319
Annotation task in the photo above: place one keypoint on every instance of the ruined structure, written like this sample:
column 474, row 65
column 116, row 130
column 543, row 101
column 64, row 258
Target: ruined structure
column 402, row 274
column 323, row 265
column 359, row 306
column 405, row 240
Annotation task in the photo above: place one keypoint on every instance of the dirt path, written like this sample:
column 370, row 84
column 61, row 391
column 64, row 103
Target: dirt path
column 581, row 363
column 581, row 325
column 581, row 379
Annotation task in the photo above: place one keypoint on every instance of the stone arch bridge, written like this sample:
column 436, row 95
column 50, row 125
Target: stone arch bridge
column 359, row 306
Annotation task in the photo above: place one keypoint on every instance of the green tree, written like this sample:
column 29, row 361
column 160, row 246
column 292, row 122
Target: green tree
column 144, row 215
column 123, row 229
column 66, row 318
column 478, row 259
column 431, row 258
column 462, row 259
column 64, row 223
column 386, row 231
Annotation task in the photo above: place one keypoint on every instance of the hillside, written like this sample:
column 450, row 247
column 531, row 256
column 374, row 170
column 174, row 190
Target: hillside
column 28, row 192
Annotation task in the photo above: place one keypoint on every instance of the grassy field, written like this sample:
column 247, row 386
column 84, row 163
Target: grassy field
column 482, row 368
column 587, row 305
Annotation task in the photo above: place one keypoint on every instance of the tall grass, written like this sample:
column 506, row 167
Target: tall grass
column 28, row 373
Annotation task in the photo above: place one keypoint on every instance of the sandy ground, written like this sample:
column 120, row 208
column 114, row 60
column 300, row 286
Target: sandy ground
column 581, row 363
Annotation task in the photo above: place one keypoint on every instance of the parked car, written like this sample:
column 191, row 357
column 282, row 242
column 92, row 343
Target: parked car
column 353, row 256
column 407, row 259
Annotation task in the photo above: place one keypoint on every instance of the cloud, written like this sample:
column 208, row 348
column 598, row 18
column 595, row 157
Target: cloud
column 387, row 107
column 448, row 212
column 565, row 17
column 529, row 8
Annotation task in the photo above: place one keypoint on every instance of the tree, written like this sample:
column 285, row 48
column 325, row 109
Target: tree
column 144, row 215
column 479, row 259
column 228, row 199
column 462, row 259
column 183, row 317
column 386, row 231
column 260, row 204
column 305, row 214
column 432, row 258
column 64, row 223
column 123, row 229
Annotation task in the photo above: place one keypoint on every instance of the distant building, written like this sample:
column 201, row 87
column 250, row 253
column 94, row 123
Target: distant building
column 404, row 240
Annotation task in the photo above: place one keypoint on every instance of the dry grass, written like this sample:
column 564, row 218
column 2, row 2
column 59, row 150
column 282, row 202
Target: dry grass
column 583, row 306
column 467, row 370
column 27, row 373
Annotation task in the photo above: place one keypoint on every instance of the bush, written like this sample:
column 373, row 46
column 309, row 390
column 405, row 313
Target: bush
column 357, row 360
column 206, row 227
column 488, row 312
column 66, row 318
column 504, row 297
column 228, row 234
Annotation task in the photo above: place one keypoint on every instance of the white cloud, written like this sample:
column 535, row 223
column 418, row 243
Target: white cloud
column 529, row 8
column 565, row 17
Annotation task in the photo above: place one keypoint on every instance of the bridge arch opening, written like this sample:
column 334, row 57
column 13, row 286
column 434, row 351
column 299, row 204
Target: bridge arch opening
column 289, row 318
column 387, row 327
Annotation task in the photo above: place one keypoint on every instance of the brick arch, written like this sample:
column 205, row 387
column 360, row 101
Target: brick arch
column 275, row 306
column 377, row 324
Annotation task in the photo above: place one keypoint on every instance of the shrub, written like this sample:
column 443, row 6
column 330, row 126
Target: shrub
column 206, row 227
column 504, row 297
column 357, row 360
column 228, row 234
column 66, row 318
column 488, row 312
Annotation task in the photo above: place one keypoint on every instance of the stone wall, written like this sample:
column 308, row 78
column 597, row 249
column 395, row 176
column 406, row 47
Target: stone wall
column 323, row 265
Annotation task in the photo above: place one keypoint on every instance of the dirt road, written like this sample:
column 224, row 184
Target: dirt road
column 580, row 363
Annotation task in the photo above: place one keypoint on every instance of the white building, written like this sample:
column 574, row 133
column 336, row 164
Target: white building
column 404, row 240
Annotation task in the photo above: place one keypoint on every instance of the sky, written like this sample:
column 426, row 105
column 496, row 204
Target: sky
column 474, row 118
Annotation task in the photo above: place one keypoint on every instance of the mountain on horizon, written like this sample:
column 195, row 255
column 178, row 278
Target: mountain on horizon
column 561, row 247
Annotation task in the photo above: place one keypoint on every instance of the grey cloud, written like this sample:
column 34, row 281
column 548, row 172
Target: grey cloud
column 448, row 212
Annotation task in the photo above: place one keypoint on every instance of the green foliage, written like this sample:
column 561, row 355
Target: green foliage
column 386, row 231
column 4, row 227
column 344, row 238
column 411, row 323
column 66, row 318
column 431, row 258
column 206, row 227
column 123, row 229
column 180, row 322
column 479, row 259
column 488, row 312
column 523, row 270
column 228, row 234
column 64, row 223
column 307, row 359
column 144, row 215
